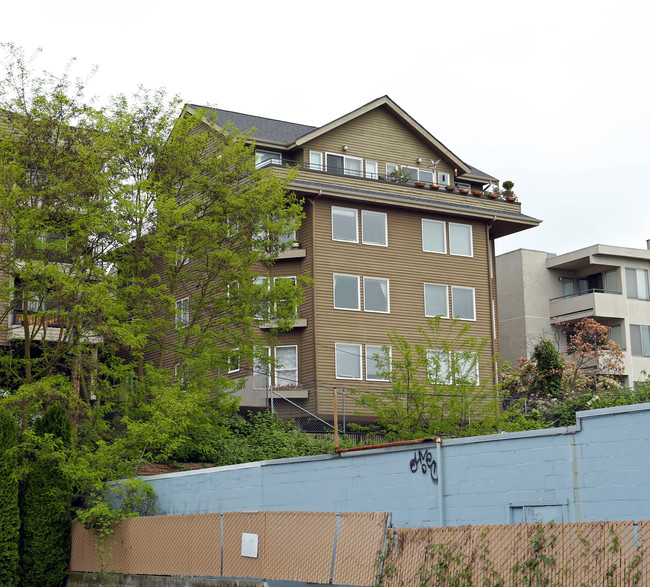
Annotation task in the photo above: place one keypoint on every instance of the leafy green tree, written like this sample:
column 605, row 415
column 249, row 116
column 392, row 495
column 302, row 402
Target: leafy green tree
column 435, row 387
column 131, row 238
column 9, row 513
column 549, row 367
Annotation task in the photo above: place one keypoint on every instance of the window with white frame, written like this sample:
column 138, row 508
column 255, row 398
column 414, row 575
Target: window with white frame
column 182, row 257
column 182, row 313
column 264, row 158
column 637, row 284
column 372, row 170
column 262, row 297
column 443, row 178
column 640, row 340
column 316, row 160
column 374, row 228
column 414, row 173
column 436, row 300
column 378, row 362
column 348, row 360
column 261, row 371
column 466, row 367
column 460, row 239
column 182, row 375
column 286, row 367
column 463, row 303
column 345, row 224
column 439, row 367
column 433, row 236
column 234, row 364
column 286, row 285
column 346, row 292
column 376, row 295
column 344, row 164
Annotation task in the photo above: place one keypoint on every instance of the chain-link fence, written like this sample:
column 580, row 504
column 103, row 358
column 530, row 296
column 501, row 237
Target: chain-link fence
column 318, row 547
column 567, row 555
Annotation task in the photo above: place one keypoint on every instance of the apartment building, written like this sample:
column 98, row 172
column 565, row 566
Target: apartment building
column 537, row 291
column 398, row 229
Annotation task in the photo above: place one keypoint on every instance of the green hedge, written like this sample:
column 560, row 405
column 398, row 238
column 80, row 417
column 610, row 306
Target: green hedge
column 9, row 513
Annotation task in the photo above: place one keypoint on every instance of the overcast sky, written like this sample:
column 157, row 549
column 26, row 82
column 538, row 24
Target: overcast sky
column 554, row 96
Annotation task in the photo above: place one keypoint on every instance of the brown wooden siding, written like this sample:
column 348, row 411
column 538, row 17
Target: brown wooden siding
column 407, row 267
column 379, row 136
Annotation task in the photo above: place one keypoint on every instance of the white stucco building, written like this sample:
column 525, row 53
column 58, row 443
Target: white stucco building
column 537, row 290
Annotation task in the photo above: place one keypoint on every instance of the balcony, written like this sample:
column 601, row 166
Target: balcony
column 591, row 303
column 50, row 328
column 354, row 178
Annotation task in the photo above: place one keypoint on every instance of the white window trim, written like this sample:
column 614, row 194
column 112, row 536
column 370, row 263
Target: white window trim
column 369, row 355
column 372, row 212
column 336, row 362
column 372, row 174
column 182, row 313
column 344, row 167
column 266, row 374
column 276, row 160
column 356, row 216
column 365, row 309
column 471, row 239
column 319, row 165
column 277, row 383
column 444, row 235
column 334, row 276
column 473, row 290
column 445, row 179
column 234, row 353
column 446, row 359
column 475, row 359
column 446, row 315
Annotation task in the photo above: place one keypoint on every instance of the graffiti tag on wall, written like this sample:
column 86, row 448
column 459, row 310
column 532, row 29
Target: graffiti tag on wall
column 424, row 461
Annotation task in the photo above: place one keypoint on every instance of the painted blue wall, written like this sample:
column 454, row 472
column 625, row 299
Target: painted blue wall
column 596, row 470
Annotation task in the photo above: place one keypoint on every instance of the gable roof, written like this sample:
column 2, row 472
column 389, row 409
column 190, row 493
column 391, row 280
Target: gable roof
column 269, row 131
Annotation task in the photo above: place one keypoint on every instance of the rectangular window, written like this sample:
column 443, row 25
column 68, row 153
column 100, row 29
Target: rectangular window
column 374, row 228
column 182, row 313
column 344, row 164
column 286, row 368
column 261, row 371
column 264, row 158
column 616, row 335
column 462, row 303
column 466, row 367
column 439, row 367
column 233, row 361
column 568, row 286
column 443, row 178
column 181, row 375
column 460, row 239
column 348, row 360
column 436, row 300
column 345, row 224
column 425, row 175
column 377, row 363
column 286, row 286
column 376, row 295
column 637, row 284
column 612, row 284
column 640, row 340
column 262, row 298
column 372, row 170
column 316, row 160
column 433, row 236
column 346, row 292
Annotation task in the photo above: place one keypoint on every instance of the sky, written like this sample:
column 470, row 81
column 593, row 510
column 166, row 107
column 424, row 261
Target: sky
column 553, row 96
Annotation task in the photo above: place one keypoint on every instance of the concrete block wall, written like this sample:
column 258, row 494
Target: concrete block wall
column 596, row 470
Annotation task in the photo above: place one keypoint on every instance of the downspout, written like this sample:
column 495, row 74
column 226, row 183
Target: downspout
column 441, row 508
column 493, row 307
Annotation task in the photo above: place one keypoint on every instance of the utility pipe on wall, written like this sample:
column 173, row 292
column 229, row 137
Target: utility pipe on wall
column 441, row 508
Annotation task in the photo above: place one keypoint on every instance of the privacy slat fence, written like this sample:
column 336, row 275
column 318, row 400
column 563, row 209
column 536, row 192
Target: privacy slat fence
column 353, row 548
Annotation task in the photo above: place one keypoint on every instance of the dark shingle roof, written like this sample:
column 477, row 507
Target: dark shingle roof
column 266, row 129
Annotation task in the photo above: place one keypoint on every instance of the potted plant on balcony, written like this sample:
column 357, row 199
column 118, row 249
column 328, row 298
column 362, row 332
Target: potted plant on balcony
column 492, row 191
column 463, row 190
column 450, row 188
column 477, row 192
column 420, row 184
column 400, row 175
column 434, row 186
column 507, row 191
